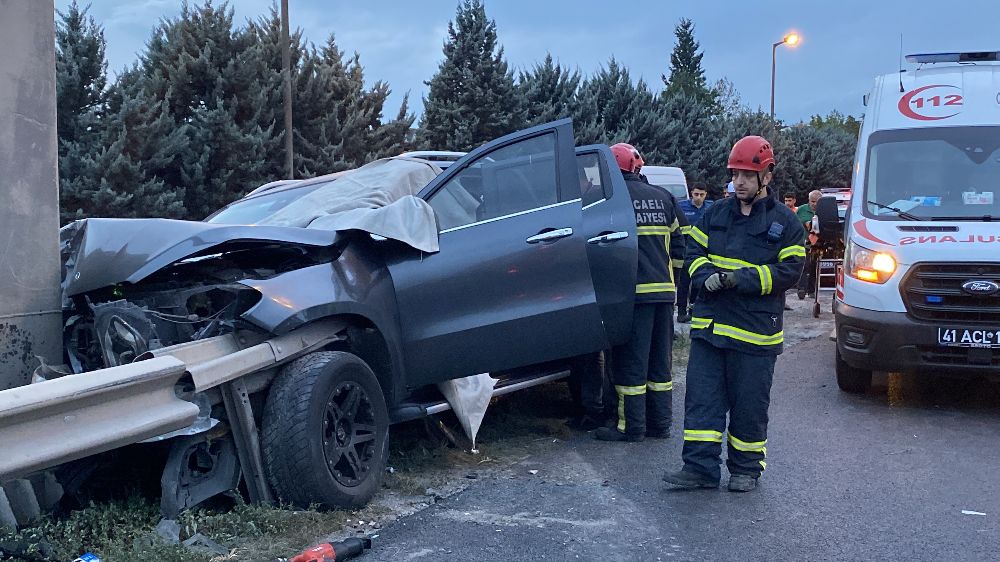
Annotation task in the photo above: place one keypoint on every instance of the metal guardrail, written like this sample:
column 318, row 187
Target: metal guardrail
column 75, row 416
column 53, row 422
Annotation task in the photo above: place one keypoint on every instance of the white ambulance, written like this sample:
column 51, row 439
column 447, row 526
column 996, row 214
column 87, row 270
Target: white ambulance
column 920, row 287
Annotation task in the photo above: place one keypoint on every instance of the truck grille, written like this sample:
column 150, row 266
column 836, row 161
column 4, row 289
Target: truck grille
column 933, row 291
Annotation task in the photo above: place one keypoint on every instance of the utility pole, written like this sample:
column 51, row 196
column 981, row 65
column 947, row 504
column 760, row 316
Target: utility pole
column 286, row 73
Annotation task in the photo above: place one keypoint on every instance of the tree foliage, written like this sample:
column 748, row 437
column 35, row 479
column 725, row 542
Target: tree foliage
column 472, row 97
column 686, row 75
column 198, row 121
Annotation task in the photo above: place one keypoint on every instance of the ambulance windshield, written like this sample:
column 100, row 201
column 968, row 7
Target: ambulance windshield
column 934, row 173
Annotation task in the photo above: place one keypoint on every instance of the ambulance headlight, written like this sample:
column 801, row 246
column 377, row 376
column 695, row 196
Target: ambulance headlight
column 869, row 265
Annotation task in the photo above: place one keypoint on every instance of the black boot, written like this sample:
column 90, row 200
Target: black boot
column 612, row 434
column 689, row 479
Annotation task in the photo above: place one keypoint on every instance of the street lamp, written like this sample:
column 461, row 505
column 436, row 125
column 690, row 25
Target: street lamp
column 792, row 39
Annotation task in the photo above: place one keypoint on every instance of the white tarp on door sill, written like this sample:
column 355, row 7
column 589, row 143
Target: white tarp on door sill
column 469, row 397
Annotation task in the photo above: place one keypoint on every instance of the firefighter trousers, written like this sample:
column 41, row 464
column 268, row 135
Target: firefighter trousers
column 721, row 381
column 641, row 371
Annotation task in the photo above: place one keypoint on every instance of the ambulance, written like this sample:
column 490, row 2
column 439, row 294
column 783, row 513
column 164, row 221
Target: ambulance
column 920, row 288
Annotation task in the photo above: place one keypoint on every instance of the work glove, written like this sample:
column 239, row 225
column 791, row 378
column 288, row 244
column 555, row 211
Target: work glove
column 719, row 281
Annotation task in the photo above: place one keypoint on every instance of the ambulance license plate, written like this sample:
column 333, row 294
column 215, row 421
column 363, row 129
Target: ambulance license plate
column 968, row 337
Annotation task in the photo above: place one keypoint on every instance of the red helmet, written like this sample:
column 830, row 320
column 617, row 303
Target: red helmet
column 628, row 157
column 751, row 153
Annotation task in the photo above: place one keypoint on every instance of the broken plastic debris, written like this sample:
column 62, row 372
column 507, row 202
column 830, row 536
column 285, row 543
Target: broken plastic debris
column 390, row 470
column 967, row 512
column 532, row 472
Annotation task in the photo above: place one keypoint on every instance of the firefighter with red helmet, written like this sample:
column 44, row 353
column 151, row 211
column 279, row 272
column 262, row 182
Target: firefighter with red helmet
column 745, row 251
column 641, row 367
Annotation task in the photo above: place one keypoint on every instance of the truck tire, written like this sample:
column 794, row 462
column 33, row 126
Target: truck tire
column 851, row 379
column 325, row 431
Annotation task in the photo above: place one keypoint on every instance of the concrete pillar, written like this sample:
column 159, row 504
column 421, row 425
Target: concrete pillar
column 30, row 317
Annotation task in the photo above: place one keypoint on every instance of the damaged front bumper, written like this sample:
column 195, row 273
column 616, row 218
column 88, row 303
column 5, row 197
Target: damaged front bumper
column 71, row 417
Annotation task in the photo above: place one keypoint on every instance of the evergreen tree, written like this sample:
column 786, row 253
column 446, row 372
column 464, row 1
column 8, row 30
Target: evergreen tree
column 472, row 97
column 337, row 121
column 816, row 157
column 605, row 101
column 686, row 74
column 547, row 92
column 81, row 81
column 137, row 140
column 679, row 131
column 204, row 74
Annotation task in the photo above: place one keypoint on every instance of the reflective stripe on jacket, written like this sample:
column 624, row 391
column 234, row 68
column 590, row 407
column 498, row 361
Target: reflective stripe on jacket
column 660, row 241
column 765, row 251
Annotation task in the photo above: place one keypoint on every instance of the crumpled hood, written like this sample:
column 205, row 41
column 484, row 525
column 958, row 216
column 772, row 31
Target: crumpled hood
column 99, row 253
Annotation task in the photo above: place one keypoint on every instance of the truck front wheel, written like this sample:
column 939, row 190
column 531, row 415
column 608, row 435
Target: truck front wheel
column 852, row 379
column 325, row 431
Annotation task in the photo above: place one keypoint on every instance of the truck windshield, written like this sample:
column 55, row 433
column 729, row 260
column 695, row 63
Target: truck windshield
column 934, row 173
column 258, row 207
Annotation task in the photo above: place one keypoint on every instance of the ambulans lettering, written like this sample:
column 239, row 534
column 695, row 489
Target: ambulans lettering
column 947, row 239
column 645, row 211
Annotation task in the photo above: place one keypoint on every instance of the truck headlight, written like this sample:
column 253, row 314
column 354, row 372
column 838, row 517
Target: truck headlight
column 869, row 265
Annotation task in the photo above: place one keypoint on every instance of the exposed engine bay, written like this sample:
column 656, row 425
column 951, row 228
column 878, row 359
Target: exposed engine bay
column 193, row 299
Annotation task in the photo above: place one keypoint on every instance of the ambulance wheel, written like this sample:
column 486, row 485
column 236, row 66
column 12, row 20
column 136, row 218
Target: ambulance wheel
column 325, row 431
column 851, row 379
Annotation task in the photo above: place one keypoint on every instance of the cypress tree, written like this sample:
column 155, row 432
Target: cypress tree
column 472, row 97
column 686, row 74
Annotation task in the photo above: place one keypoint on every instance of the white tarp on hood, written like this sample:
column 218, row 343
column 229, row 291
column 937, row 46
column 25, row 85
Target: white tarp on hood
column 379, row 197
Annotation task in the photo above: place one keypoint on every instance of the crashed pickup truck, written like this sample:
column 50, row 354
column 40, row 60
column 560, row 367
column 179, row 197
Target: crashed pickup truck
column 280, row 351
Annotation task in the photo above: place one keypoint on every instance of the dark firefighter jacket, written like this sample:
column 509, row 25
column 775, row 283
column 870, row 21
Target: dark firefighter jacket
column 765, row 252
column 660, row 240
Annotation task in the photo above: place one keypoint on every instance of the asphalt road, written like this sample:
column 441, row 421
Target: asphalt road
column 884, row 476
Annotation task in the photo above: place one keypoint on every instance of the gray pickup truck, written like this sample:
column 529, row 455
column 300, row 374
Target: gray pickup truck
column 283, row 354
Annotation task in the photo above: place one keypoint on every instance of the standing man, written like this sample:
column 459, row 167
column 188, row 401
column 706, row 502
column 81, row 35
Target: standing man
column 805, row 215
column 641, row 367
column 693, row 208
column 745, row 252
column 790, row 202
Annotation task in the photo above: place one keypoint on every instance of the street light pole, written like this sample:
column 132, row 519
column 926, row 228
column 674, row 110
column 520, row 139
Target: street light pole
column 286, row 73
column 791, row 40
column 774, row 53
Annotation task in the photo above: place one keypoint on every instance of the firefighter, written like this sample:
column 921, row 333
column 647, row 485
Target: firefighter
column 641, row 367
column 746, row 251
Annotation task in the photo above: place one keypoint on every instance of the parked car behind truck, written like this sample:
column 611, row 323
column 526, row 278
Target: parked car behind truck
column 323, row 338
column 921, row 284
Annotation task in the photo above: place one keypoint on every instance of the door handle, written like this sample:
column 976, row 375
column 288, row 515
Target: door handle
column 609, row 237
column 550, row 235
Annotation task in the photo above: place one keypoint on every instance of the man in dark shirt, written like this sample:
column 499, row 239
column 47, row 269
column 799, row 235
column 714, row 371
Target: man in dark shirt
column 693, row 208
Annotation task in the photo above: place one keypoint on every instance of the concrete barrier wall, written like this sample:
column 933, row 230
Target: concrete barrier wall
column 30, row 320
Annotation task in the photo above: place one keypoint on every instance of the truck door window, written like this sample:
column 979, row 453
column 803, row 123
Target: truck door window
column 588, row 167
column 511, row 179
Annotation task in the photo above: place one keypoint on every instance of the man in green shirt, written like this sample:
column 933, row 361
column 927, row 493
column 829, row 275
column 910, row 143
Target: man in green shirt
column 805, row 215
